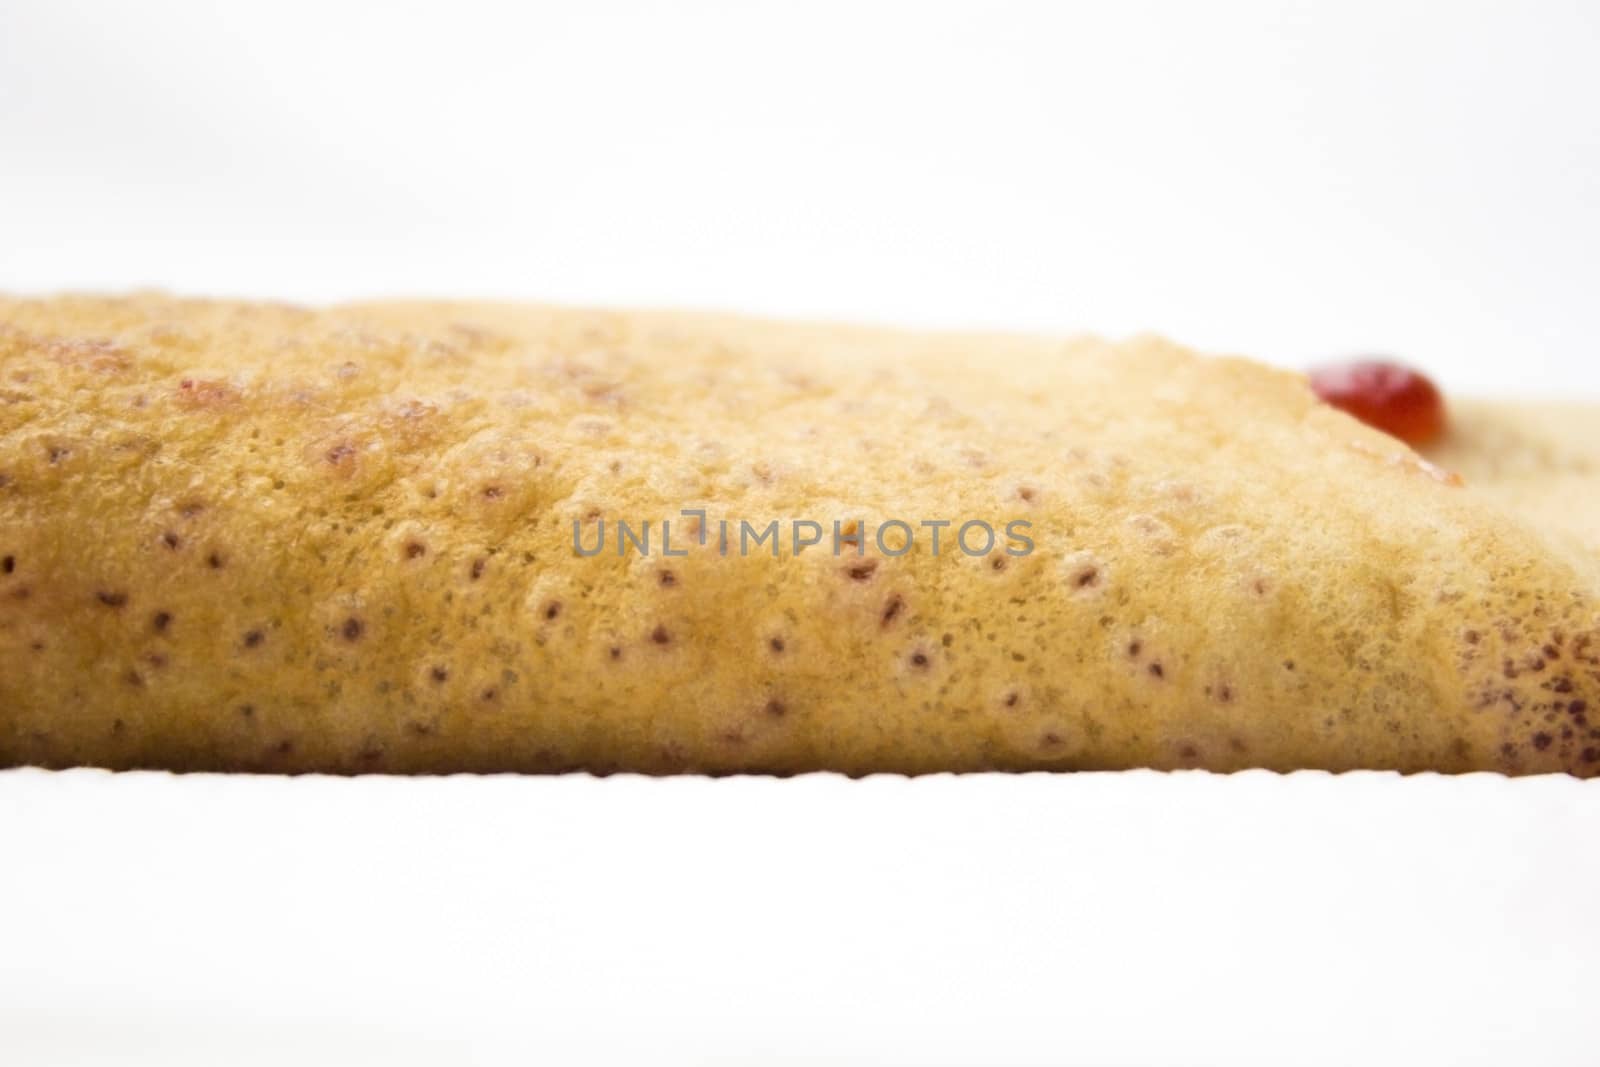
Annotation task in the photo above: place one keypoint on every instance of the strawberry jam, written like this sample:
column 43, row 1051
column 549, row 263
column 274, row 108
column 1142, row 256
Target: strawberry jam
column 1384, row 395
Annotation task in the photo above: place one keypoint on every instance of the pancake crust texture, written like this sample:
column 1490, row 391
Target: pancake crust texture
column 242, row 536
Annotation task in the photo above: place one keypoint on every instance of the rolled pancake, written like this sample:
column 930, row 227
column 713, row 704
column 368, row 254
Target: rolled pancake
column 258, row 537
column 1539, row 461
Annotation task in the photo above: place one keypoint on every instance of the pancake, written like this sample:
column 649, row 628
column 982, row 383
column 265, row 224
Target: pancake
column 385, row 537
column 1539, row 461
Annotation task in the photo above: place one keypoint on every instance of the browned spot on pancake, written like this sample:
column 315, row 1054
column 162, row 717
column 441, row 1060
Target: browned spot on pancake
column 667, row 578
column 891, row 610
column 776, row 644
column 352, row 629
column 1156, row 671
column 252, row 638
column 171, row 540
column 204, row 392
column 552, row 610
column 660, row 635
column 439, row 674
column 111, row 599
column 160, row 621
column 862, row 571
column 415, row 549
column 775, row 709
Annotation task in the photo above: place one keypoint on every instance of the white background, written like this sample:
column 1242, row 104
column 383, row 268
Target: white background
column 1289, row 181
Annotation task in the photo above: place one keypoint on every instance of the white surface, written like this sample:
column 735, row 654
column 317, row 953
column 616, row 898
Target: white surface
column 1109, row 919
column 1289, row 181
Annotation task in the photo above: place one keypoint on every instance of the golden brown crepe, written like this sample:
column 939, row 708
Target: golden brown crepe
column 258, row 537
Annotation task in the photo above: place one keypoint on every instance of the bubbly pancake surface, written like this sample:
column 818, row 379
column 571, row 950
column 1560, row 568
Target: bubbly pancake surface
column 259, row 537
